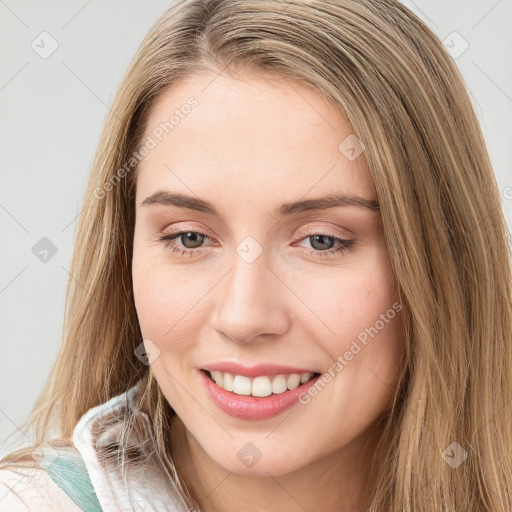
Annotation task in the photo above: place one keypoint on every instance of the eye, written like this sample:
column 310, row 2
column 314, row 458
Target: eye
column 319, row 241
column 192, row 241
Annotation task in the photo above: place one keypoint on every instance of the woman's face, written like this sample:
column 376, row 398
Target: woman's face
column 255, row 280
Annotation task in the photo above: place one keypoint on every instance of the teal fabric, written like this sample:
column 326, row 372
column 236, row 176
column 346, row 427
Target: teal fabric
column 69, row 472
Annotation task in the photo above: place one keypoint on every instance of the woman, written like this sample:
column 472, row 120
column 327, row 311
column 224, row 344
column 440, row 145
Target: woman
column 295, row 281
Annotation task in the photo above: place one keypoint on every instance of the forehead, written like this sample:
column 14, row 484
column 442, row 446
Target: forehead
column 250, row 139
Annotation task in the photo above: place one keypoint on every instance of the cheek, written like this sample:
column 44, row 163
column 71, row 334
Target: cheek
column 354, row 301
column 164, row 300
column 174, row 304
column 364, row 337
column 364, row 342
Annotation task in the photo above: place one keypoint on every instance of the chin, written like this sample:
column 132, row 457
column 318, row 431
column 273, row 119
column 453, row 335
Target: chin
column 242, row 464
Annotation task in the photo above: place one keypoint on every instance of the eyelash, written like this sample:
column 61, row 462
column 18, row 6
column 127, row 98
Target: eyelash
column 167, row 241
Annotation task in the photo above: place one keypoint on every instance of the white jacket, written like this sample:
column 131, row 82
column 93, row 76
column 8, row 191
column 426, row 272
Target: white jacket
column 148, row 487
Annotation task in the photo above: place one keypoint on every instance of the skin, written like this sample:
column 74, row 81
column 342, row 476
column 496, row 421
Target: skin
column 248, row 147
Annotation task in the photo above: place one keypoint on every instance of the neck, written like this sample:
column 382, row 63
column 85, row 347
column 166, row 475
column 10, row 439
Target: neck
column 337, row 481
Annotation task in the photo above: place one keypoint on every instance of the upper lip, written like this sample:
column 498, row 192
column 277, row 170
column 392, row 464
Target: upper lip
column 255, row 370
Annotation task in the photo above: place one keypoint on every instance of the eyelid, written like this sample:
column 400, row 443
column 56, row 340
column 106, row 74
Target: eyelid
column 303, row 232
column 186, row 227
column 314, row 230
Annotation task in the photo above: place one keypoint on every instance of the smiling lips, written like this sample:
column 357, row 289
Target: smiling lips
column 255, row 392
column 260, row 386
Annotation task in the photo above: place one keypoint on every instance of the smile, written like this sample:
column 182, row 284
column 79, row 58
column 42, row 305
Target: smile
column 260, row 386
column 254, row 398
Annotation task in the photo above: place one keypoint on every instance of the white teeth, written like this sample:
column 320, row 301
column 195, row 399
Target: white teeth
column 228, row 382
column 305, row 377
column 259, row 386
column 218, row 377
column 241, row 385
column 279, row 384
column 293, row 381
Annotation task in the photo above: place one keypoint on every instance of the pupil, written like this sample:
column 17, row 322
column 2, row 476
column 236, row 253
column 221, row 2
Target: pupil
column 322, row 239
column 197, row 239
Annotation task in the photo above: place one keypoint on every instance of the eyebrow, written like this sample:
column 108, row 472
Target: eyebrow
column 163, row 197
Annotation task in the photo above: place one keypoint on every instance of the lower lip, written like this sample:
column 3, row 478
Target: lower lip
column 253, row 408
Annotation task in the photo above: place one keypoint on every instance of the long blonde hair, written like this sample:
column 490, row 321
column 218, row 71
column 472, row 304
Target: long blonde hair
column 445, row 231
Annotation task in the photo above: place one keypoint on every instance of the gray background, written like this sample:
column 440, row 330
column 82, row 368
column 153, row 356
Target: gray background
column 52, row 112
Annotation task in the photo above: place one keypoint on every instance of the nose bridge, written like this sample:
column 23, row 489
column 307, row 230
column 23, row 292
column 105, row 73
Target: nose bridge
column 248, row 300
column 248, row 276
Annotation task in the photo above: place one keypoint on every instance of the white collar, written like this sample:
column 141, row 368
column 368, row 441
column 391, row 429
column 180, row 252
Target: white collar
column 148, row 486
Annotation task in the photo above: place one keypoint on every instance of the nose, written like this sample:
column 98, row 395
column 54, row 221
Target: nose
column 251, row 302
